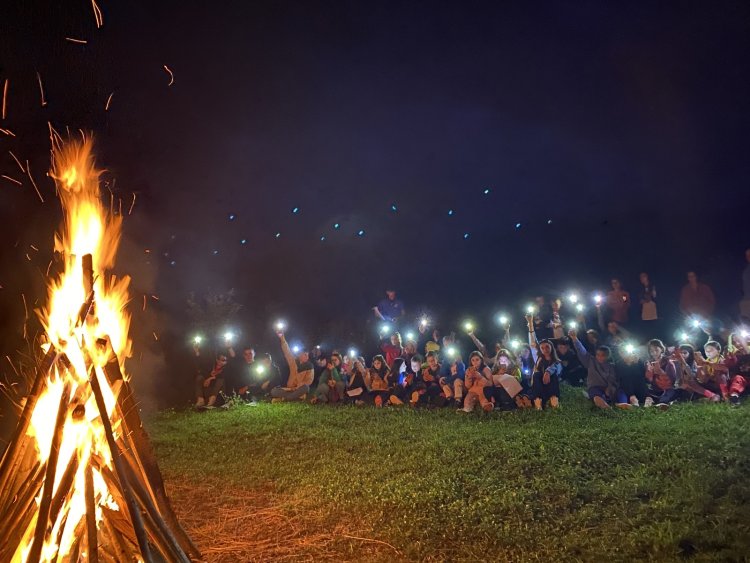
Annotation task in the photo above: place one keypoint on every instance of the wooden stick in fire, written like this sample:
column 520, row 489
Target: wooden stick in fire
column 127, row 492
column 49, row 477
column 91, row 538
column 12, row 457
column 132, row 427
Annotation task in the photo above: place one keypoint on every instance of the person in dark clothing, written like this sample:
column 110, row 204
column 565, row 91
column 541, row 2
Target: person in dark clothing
column 210, row 383
column 573, row 373
column 630, row 370
column 264, row 376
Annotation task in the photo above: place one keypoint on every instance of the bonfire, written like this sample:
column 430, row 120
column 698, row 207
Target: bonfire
column 79, row 480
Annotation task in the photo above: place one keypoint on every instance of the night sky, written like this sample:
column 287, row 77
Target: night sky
column 614, row 136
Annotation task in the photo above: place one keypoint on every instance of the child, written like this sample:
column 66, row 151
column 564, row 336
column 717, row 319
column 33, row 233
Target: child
column 661, row 376
column 506, row 382
column 376, row 381
column 713, row 373
column 330, row 388
column 478, row 376
column 545, row 379
column 601, row 379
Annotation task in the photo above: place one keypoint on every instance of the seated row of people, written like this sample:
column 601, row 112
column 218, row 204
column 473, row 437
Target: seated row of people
column 527, row 377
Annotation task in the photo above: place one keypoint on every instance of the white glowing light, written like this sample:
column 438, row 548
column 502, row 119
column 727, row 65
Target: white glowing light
column 197, row 339
column 579, row 307
column 515, row 344
column 503, row 319
column 573, row 298
column 280, row 326
column 573, row 325
column 696, row 323
column 598, row 299
column 410, row 336
column 353, row 353
column 451, row 351
column 685, row 336
column 629, row 348
column 424, row 322
column 530, row 309
column 468, row 326
column 385, row 328
column 296, row 349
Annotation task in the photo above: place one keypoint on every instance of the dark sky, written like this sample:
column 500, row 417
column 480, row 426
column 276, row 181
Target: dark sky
column 624, row 125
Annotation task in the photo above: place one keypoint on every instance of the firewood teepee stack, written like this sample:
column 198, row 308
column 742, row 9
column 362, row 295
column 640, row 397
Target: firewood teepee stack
column 79, row 480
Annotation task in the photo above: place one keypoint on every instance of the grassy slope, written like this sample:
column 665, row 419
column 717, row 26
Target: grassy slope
column 568, row 485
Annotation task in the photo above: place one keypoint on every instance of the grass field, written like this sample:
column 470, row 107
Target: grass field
column 297, row 482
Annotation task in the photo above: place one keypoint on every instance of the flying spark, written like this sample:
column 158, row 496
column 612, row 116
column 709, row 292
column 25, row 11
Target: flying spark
column 171, row 75
column 41, row 89
column 74, row 40
column 5, row 96
column 7, row 132
column 17, row 162
column 132, row 205
column 109, row 101
column 97, row 14
column 11, row 179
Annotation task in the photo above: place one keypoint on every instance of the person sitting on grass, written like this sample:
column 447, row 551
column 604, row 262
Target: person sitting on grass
column 209, row 385
column 602, row 384
column 451, row 380
column 376, row 380
column 265, row 376
column 544, row 385
column 301, row 374
column 478, row 376
column 404, row 390
column 330, row 388
column 506, row 382
column 356, row 390
column 713, row 373
column 393, row 349
column 661, row 376
column 426, row 390
column 573, row 372
column 629, row 369
column 545, row 379
column 687, row 375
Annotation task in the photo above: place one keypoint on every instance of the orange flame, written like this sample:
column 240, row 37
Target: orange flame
column 87, row 228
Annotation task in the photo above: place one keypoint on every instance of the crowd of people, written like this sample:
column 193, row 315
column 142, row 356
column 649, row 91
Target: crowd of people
column 621, row 362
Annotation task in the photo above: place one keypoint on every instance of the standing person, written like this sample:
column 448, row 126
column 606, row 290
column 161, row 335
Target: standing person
column 301, row 374
column 697, row 299
column 618, row 303
column 210, row 384
column 745, row 303
column 602, row 383
column 649, row 312
column 389, row 309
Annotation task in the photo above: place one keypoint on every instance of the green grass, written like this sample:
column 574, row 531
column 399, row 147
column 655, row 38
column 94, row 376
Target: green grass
column 568, row 485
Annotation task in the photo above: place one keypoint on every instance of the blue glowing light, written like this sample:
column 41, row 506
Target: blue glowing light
column 336, row 226
column 295, row 210
column 549, row 221
column 243, row 241
column 172, row 263
column 486, row 191
column 215, row 252
column 450, row 212
column 323, row 238
column 393, row 207
column 466, row 235
column 518, row 225
column 278, row 235
column 360, row 233
column 232, row 216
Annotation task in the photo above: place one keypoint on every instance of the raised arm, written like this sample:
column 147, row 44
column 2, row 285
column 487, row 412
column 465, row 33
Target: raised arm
column 481, row 347
column 581, row 352
column 533, row 344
